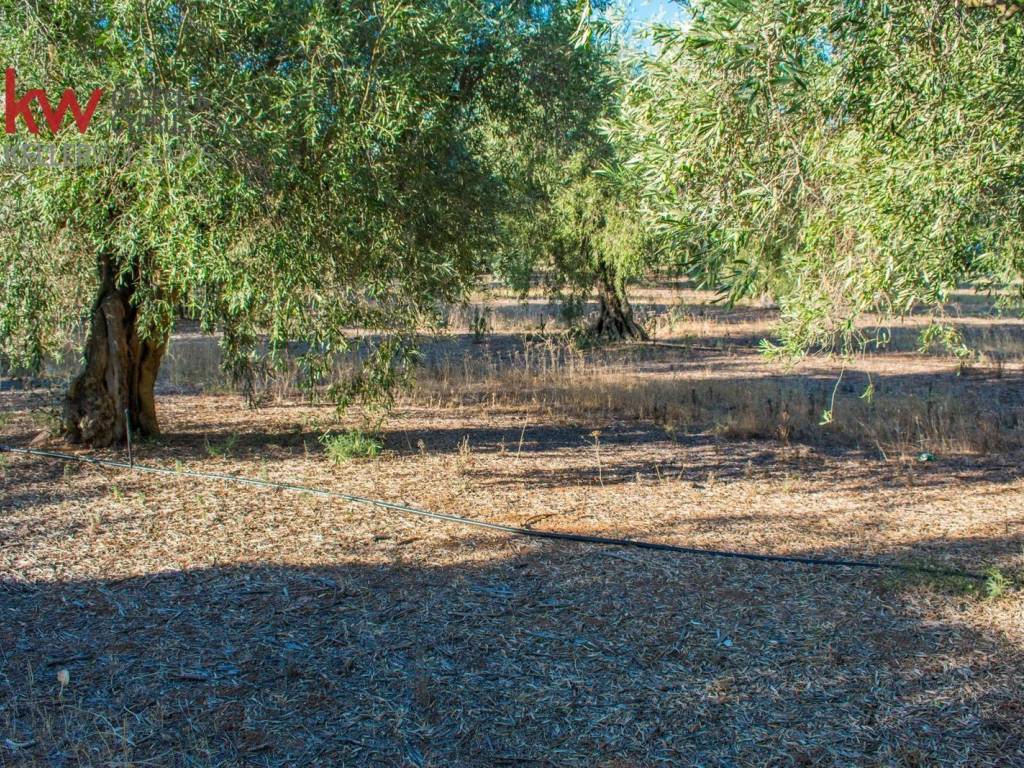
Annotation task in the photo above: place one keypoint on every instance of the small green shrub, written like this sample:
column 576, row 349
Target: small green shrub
column 996, row 583
column 351, row 444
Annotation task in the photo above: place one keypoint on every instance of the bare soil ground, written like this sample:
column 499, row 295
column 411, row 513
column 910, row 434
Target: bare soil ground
column 205, row 624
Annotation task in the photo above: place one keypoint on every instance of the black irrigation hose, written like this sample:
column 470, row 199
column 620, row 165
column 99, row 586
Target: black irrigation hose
column 510, row 529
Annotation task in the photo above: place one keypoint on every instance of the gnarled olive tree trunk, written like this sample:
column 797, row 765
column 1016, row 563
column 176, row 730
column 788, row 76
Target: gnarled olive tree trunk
column 615, row 316
column 119, row 374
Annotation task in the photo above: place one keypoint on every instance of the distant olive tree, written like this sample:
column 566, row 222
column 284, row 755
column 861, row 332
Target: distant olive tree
column 578, row 224
column 588, row 240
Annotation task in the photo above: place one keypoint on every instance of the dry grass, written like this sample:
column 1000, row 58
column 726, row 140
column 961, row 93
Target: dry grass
column 707, row 375
column 913, row 406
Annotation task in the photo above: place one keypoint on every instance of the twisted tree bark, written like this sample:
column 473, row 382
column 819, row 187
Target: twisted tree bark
column 615, row 315
column 119, row 374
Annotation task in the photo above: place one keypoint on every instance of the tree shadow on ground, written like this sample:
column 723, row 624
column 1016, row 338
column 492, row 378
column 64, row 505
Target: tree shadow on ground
column 38, row 481
column 543, row 654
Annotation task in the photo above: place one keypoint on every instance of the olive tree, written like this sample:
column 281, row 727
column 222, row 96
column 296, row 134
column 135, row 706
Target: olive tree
column 312, row 176
column 577, row 224
column 585, row 239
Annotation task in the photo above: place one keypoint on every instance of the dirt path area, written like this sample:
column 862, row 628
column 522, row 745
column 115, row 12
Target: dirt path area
column 208, row 625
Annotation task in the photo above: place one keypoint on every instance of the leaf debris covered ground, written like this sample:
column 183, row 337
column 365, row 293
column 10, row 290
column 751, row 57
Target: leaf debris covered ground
column 205, row 624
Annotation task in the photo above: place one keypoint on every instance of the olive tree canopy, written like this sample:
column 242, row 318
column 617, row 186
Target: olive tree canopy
column 846, row 157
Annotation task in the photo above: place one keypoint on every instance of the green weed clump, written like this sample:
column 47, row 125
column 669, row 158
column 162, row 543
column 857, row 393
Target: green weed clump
column 996, row 584
column 993, row 585
column 350, row 444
